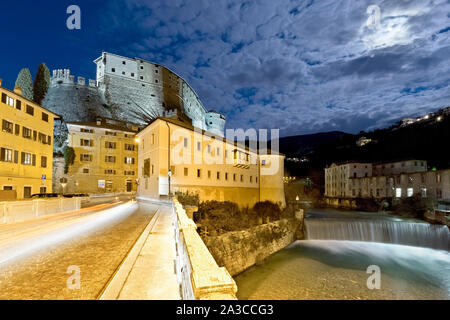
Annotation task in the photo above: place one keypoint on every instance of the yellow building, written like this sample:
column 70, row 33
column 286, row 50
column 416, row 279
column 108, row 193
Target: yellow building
column 26, row 142
column 105, row 158
column 196, row 161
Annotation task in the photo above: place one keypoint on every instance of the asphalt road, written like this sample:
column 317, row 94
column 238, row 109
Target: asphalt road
column 40, row 259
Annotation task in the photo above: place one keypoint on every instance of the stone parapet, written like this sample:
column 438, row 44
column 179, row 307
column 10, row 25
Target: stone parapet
column 207, row 280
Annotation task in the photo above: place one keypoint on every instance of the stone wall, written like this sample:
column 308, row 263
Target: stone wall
column 239, row 250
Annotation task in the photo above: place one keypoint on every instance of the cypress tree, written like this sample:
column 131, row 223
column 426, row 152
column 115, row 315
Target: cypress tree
column 41, row 83
column 25, row 82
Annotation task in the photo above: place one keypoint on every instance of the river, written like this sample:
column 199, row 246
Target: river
column 413, row 258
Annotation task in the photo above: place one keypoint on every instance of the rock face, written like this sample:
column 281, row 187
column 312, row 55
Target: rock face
column 239, row 250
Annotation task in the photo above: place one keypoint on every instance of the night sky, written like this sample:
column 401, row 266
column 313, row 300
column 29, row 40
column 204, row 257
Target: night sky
column 301, row 66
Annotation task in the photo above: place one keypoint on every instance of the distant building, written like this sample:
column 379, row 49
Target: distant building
column 400, row 179
column 105, row 157
column 176, row 157
column 26, row 144
column 363, row 141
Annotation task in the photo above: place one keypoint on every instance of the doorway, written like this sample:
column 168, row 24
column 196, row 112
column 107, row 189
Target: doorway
column 129, row 186
column 27, row 192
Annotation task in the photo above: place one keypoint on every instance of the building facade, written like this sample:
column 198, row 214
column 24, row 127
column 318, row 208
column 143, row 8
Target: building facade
column 128, row 88
column 177, row 157
column 105, row 158
column 395, row 180
column 26, row 142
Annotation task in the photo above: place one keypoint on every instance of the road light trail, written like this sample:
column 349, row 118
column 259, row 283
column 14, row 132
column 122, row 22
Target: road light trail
column 33, row 265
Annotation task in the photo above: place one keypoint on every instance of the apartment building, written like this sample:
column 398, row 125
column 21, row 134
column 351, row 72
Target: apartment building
column 176, row 157
column 105, row 158
column 26, row 146
column 398, row 179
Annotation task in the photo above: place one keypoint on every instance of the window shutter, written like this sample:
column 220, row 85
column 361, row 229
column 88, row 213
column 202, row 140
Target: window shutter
column 91, row 143
column 4, row 97
column 17, row 131
column 34, row 135
column 22, row 156
column 34, row 160
column 2, row 154
column 16, row 156
column 18, row 104
column 49, row 140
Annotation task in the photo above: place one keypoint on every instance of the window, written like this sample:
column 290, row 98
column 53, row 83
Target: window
column 156, row 81
column 44, row 117
column 142, row 78
column 43, row 162
column 129, row 147
column 218, row 175
column 113, row 69
column 110, row 133
column 7, row 100
column 28, row 159
column 209, row 174
column 6, row 155
column 7, row 126
column 234, row 176
column 85, row 157
column 129, row 160
column 110, row 171
column 199, row 173
column 123, row 62
column 251, row 179
column 226, row 176
column 123, row 72
column 242, row 178
column 18, row 105
column 42, row 138
column 111, row 159
column 424, row 192
column 110, row 145
column 132, row 74
column 142, row 67
column 156, row 71
column 129, row 173
column 87, row 130
column 30, row 110
column 85, row 170
column 146, row 168
column 17, row 130
column 438, row 193
column 86, row 143
column 398, row 192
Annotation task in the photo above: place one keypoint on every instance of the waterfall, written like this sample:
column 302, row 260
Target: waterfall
column 385, row 231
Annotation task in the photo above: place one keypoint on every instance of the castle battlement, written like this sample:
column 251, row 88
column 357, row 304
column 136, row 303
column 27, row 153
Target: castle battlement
column 63, row 76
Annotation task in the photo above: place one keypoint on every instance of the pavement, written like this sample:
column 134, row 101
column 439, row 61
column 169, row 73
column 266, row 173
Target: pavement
column 36, row 256
column 148, row 272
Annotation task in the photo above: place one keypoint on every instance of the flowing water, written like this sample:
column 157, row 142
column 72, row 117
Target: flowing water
column 413, row 258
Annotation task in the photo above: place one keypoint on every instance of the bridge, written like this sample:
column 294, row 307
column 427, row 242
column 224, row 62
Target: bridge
column 122, row 249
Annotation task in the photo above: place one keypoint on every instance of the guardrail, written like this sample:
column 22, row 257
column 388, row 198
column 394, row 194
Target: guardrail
column 199, row 276
column 15, row 211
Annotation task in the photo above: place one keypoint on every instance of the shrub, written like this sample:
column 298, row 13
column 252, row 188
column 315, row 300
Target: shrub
column 267, row 209
column 188, row 199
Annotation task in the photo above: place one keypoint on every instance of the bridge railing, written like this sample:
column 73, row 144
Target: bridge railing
column 199, row 275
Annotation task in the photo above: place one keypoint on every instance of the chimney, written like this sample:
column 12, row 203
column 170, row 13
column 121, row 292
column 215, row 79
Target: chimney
column 18, row 90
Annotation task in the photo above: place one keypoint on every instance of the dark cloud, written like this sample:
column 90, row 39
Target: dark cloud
column 301, row 66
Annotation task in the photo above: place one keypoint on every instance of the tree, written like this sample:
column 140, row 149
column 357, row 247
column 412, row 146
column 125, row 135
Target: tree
column 41, row 83
column 25, row 82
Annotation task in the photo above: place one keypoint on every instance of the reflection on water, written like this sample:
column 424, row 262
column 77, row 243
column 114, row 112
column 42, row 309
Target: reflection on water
column 317, row 269
column 332, row 263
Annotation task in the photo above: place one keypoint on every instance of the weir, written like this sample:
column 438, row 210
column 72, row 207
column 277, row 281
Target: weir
column 383, row 230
